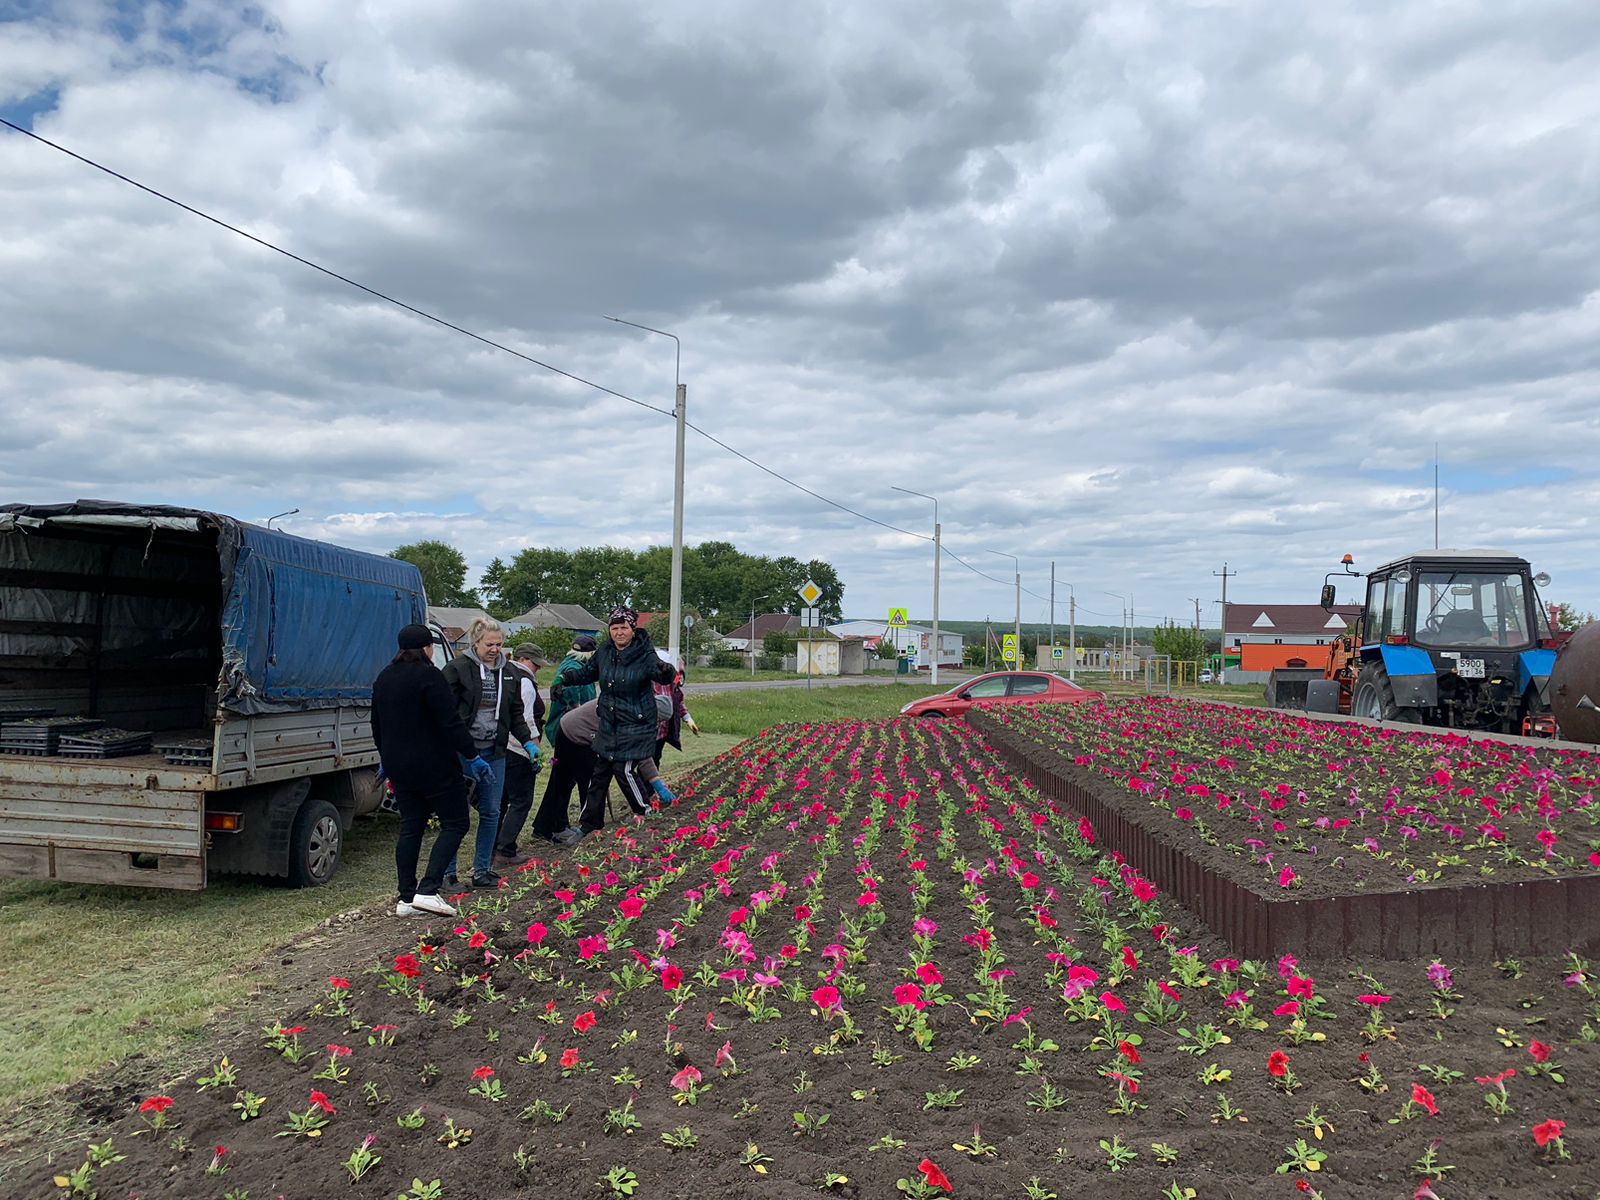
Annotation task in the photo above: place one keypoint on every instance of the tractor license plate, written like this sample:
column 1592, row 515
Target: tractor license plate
column 1470, row 668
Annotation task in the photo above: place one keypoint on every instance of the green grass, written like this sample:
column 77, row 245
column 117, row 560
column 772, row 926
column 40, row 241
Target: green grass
column 96, row 974
column 736, row 675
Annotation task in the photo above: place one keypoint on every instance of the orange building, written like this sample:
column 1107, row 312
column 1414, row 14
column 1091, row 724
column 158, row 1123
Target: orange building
column 1259, row 637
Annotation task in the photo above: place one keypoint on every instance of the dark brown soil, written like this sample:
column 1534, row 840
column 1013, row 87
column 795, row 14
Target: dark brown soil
column 756, row 800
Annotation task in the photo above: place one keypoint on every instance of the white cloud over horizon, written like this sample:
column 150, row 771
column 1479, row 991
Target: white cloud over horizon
column 1136, row 288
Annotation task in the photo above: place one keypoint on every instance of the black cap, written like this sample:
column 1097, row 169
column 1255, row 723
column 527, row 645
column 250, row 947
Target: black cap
column 415, row 637
column 584, row 643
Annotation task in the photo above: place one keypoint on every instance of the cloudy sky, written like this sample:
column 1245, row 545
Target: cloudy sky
column 1139, row 288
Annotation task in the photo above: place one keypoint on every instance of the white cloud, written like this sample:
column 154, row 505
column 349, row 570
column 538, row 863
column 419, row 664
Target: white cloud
column 1140, row 291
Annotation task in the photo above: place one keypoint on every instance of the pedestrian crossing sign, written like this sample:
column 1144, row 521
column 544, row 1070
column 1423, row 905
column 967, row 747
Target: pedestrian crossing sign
column 1057, row 652
column 897, row 618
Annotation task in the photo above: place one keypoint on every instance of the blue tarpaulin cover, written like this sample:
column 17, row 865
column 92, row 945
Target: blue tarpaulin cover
column 304, row 624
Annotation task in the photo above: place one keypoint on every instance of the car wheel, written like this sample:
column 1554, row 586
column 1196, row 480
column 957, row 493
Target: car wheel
column 932, row 714
column 315, row 844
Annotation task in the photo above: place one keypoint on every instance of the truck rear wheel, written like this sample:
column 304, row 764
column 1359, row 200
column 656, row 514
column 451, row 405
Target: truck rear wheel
column 1373, row 699
column 315, row 844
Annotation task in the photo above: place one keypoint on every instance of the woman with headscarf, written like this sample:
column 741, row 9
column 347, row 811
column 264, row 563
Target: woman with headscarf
column 626, row 669
column 488, row 696
column 422, row 741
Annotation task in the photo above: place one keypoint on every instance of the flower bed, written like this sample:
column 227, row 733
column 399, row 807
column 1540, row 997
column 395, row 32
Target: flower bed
column 865, row 960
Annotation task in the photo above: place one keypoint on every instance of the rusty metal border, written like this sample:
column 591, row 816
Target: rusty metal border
column 1475, row 921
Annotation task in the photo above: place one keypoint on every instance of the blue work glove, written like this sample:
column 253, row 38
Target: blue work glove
column 661, row 790
column 481, row 770
column 533, row 750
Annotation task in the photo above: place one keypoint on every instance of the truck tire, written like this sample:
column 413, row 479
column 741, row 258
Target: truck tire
column 315, row 844
column 1373, row 698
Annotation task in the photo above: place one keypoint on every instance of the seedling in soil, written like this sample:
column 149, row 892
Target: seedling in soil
column 486, row 1085
column 626, row 1078
column 154, row 1111
column 1497, row 1098
column 806, row 1124
column 1030, row 1066
column 832, row 1180
column 1117, row 1155
column 223, row 1076
column 540, row 1110
column 621, row 1120
column 1203, row 1040
column 432, row 1190
column 454, row 1136
column 747, row 1108
column 754, row 1159
column 977, row 1148
column 1227, row 1111
column 803, row 1084
column 1315, row 1122
column 1429, row 1166
column 1441, row 1076
column 961, row 1062
column 362, row 1159
column 427, row 1074
column 619, row 1181
column 942, row 1100
column 681, row 1138
column 104, row 1154
column 1301, row 1157
column 1035, row 1190
column 1046, row 1099
column 412, row 1120
column 78, row 1182
column 887, row 1142
column 373, row 1097
column 1213, row 1074
column 312, row 1122
column 248, row 1105
column 1164, row 1154
column 1176, row 1192
column 882, row 1057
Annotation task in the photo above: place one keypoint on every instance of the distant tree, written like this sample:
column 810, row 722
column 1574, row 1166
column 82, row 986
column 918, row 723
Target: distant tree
column 554, row 642
column 444, row 572
column 1566, row 617
column 1183, row 643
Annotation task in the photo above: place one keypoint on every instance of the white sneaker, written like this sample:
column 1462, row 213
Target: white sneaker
column 432, row 904
column 402, row 909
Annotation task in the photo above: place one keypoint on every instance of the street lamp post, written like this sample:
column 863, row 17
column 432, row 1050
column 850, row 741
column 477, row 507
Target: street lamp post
column 934, row 677
column 1072, row 623
column 1122, row 633
column 680, row 406
column 1016, row 625
column 754, row 600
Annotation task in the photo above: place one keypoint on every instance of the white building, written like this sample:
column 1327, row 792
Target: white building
column 914, row 640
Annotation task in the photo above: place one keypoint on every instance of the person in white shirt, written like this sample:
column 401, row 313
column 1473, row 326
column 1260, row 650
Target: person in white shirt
column 522, row 769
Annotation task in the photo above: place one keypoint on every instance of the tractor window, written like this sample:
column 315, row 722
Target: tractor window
column 1394, row 609
column 1372, row 617
column 1472, row 608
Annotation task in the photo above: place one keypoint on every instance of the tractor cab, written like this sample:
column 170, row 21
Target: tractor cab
column 1454, row 637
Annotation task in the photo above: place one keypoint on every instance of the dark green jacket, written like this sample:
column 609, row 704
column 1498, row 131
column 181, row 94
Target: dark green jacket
column 466, row 686
column 570, row 698
column 627, row 696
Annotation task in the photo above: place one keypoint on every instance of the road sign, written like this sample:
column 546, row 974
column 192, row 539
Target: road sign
column 897, row 618
column 810, row 592
column 1057, row 652
column 1008, row 647
column 809, row 617
column 688, row 622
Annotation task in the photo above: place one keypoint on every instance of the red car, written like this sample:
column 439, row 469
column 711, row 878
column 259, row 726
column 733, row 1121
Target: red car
column 1001, row 687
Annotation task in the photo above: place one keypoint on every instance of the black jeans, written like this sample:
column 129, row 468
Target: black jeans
column 449, row 804
column 634, row 790
column 570, row 767
column 516, row 803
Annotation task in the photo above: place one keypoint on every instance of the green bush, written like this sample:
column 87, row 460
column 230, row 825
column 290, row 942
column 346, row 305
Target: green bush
column 769, row 662
column 727, row 658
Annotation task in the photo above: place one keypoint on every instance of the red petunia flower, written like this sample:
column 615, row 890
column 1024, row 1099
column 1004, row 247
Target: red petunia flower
column 932, row 1175
column 1277, row 1064
column 1127, row 1050
column 338, row 984
column 478, row 940
column 320, row 1100
column 339, row 1051
column 583, row 1022
column 483, row 1073
column 156, row 1104
column 1541, row 1052
column 1112, row 1003
column 569, row 1059
column 929, row 974
column 536, row 933
column 1421, row 1095
column 671, row 977
column 1374, row 1000
column 1547, row 1131
column 407, row 965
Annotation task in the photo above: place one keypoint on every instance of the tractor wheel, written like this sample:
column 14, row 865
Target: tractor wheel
column 1373, row 698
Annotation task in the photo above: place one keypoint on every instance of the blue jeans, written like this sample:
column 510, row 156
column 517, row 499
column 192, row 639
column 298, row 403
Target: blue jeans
column 488, row 816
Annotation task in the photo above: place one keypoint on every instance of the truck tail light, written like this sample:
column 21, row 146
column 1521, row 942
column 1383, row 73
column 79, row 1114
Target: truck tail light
column 223, row 822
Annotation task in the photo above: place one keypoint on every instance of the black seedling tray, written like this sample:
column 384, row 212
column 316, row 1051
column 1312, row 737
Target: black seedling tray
column 104, row 742
column 186, row 752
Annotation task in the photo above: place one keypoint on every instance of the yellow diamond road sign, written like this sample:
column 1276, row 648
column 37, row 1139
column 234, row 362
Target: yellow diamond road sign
column 810, row 592
column 897, row 618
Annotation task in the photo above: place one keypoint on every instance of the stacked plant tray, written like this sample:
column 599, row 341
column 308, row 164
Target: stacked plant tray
column 186, row 752
column 18, row 710
column 104, row 742
column 40, row 735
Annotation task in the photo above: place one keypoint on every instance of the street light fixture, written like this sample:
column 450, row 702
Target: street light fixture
column 680, row 405
column 1016, row 627
column 934, row 677
column 754, row 600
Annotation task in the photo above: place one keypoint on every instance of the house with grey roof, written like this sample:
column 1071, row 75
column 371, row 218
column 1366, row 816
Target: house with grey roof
column 574, row 618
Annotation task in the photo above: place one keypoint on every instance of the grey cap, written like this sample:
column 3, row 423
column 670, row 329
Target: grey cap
column 528, row 652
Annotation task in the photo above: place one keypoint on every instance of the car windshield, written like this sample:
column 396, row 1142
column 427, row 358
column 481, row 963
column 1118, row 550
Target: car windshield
column 1472, row 608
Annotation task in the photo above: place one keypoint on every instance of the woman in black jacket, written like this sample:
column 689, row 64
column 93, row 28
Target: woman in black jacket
column 421, row 739
column 627, row 669
column 488, row 695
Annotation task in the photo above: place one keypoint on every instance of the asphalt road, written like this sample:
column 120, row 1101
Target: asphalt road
column 947, row 678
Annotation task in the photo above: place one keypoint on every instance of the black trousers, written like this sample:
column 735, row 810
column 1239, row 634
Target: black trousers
column 570, row 767
column 516, row 803
column 449, row 804
column 634, row 790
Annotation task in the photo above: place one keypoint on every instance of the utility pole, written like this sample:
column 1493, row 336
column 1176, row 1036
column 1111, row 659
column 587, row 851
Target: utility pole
column 1016, row 625
column 988, row 636
column 1052, row 612
column 934, row 677
column 1222, row 641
